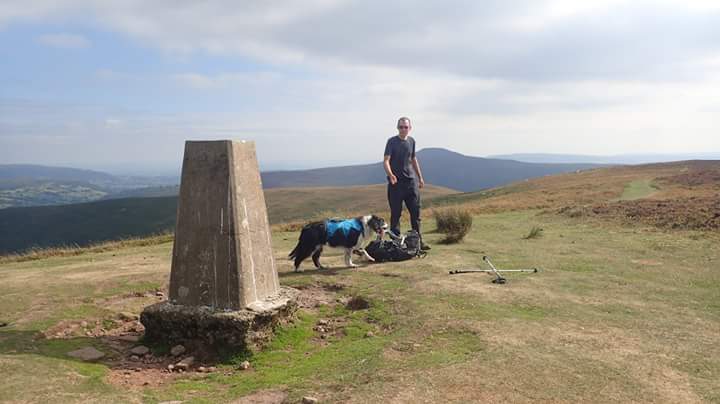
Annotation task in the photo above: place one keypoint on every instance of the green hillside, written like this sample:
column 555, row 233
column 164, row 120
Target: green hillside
column 87, row 223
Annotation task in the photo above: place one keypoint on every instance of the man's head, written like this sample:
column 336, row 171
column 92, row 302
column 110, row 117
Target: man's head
column 404, row 126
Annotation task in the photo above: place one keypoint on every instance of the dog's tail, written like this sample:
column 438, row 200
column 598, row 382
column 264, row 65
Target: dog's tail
column 293, row 253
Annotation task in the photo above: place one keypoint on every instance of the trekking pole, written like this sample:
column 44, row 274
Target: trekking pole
column 498, row 278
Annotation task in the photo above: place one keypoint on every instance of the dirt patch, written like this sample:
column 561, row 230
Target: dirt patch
column 329, row 328
column 108, row 327
column 263, row 397
column 695, row 213
column 319, row 294
column 138, row 377
column 357, row 303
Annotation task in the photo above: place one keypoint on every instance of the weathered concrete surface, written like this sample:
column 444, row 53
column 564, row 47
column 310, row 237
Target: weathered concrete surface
column 222, row 256
column 241, row 329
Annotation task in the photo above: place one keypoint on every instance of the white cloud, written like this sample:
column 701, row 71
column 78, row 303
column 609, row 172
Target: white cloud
column 64, row 40
column 499, row 76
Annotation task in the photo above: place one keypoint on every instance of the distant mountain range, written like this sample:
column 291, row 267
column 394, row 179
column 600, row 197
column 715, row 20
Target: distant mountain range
column 440, row 167
column 614, row 160
column 33, row 185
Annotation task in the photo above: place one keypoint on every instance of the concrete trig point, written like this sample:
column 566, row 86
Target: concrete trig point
column 224, row 286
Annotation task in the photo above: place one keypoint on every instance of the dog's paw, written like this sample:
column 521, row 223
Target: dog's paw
column 298, row 270
column 354, row 265
column 323, row 267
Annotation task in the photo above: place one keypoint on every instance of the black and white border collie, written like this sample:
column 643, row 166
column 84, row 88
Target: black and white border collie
column 350, row 235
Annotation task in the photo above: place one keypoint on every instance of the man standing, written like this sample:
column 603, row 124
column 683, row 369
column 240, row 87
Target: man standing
column 404, row 183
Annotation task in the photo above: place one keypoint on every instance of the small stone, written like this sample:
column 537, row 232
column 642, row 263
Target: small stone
column 185, row 363
column 138, row 369
column 171, row 367
column 245, row 365
column 159, row 294
column 177, row 350
column 310, row 400
column 83, row 324
column 127, row 316
column 202, row 369
column 86, row 354
column 369, row 334
column 322, row 322
column 211, row 369
column 140, row 350
column 134, row 358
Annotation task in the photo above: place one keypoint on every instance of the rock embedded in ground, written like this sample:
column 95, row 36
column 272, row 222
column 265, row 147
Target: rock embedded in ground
column 134, row 358
column 245, row 365
column 87, row 354
column 129, row 338
column 140, row 350
column 310, row 400
column 177, row 350
column 369, row 334
column 185, row 363
column 127, row 316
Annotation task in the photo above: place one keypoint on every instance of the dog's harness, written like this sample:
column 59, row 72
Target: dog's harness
column 346, row 229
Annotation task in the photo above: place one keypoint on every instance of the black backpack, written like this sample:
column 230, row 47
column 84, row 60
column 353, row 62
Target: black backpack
column 396, row 250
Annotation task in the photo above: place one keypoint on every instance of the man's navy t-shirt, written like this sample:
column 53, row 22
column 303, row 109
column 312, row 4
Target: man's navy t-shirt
column 401, row 153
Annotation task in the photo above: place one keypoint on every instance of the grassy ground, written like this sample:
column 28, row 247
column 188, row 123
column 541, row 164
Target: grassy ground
column 616, row 314
column 638, row 189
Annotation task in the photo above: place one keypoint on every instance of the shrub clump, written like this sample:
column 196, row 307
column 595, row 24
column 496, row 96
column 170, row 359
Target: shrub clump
column 454, row 222
column 535, row 232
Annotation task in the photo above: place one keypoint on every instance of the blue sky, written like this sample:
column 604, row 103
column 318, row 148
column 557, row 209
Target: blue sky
column 123, row 83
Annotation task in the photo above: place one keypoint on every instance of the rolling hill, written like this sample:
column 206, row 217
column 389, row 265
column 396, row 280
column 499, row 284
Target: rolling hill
column 35, row 185
column 612, row 160
column 92, row 222
column 672, row 195
column 32, row 185
column 440, row 167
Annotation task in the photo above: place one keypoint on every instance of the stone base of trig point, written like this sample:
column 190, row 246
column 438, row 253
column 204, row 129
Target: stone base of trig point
column 241, row 329
column 224, row 287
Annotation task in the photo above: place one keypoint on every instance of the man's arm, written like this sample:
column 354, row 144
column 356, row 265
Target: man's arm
column 388, row 170
column 416, row 167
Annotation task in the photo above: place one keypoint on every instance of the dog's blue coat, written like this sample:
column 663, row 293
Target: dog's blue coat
column 343, row 232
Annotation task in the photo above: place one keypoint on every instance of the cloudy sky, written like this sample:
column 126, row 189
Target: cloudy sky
column 122, row 83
